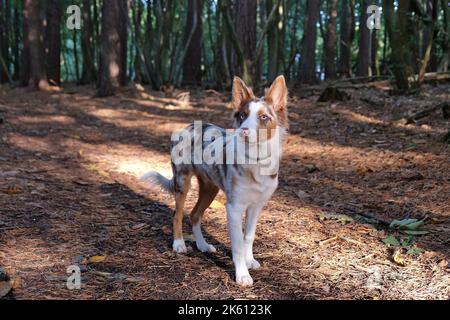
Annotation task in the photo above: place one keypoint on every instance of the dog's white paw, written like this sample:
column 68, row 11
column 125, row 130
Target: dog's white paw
column 179, row 246
column 205, row 247
column 253, row 264
column 244, row 280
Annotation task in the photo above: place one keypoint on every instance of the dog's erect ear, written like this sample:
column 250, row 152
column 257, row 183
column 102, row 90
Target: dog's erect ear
column 277, row 94
column 241, row 94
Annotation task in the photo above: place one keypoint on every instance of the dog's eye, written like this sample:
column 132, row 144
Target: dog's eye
column 263, row 117
column 243, row 115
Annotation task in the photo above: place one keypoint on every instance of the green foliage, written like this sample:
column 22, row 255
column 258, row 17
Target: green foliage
column 155, row 48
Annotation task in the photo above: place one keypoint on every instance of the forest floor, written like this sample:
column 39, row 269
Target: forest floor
column 70, row 195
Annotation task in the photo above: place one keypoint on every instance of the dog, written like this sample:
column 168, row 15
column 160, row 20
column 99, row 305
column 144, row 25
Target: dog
column 258, row 122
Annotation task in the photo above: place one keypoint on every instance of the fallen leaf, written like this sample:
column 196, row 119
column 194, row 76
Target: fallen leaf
column 409, row 226
column 443, row 264
column 342, row 218
column 397, row 258
column 414, row 251
column 416, row 232
column 217, row 205
column 96, row 259
column 391, row 240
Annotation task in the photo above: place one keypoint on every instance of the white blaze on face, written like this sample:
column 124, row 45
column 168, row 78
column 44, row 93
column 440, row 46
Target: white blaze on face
column 252, row 122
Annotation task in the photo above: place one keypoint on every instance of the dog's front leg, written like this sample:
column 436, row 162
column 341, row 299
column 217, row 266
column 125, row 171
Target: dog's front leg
column 234, row 216
column 251, row 220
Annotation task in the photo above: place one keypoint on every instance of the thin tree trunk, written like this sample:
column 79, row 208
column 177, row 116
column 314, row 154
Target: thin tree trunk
column 124, row 7
column 374, row 54
column 307, row 73
column 245, row 21
column 111, row 49
column 38, row 76
column 88, row 74
column 363, row 62
column 330, row 42
column 4, row 41
column 347, row 35
column 428, row 54
column 54, row 41
column 192, row 64
column 15, row 44
column 398, row 39
column 137, row 14
column 25, row 58
column 273, row 44
column 432, row 12
column 445, row 60
column 75, row 55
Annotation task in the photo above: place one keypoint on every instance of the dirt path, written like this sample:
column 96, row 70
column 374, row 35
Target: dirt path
column 69, row 194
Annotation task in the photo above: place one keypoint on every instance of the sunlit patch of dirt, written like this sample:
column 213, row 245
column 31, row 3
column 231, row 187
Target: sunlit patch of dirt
column 70, row 190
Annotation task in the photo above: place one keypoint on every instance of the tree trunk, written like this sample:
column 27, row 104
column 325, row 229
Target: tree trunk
column 307, row 73
column 363, row 62
column 15, row 52
column 347, row 35
column 54, row 41
column 245, row 22
column 124, row 6
column 275, row 46
column 330, row 42
column 25, row 58
column 112, row 48
column 398, row 39
column 4, row 41
column 192, row 65
column 374, row 54
column 445, row 60
column 88, row 73
column 432, row 12
column 34, row 38
column 137, row 15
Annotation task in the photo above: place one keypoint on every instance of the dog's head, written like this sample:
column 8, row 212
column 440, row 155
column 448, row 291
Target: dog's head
column 257, row 119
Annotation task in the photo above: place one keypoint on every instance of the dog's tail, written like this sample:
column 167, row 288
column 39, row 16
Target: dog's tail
column 158, row 180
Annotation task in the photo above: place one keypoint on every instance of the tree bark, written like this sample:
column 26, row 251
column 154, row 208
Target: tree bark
column 54, row 41
column 398, row 39
column 112, row 48
column 34, row 38
column 124, row 7
column 4, row 41
column 445, row 60
column 347, row 35
column 374, row 54
column 307, row 73
column 363, row 62
column 432, row 12
column 192, row 65
column 275, row 39
column 88, row 74
column 137, row 15
column 330, row 42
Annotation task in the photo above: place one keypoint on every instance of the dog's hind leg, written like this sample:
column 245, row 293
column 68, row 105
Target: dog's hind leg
column 182, row 184
column 207, row 193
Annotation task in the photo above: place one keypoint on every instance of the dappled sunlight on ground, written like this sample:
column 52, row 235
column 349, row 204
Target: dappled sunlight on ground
column 70, row 190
